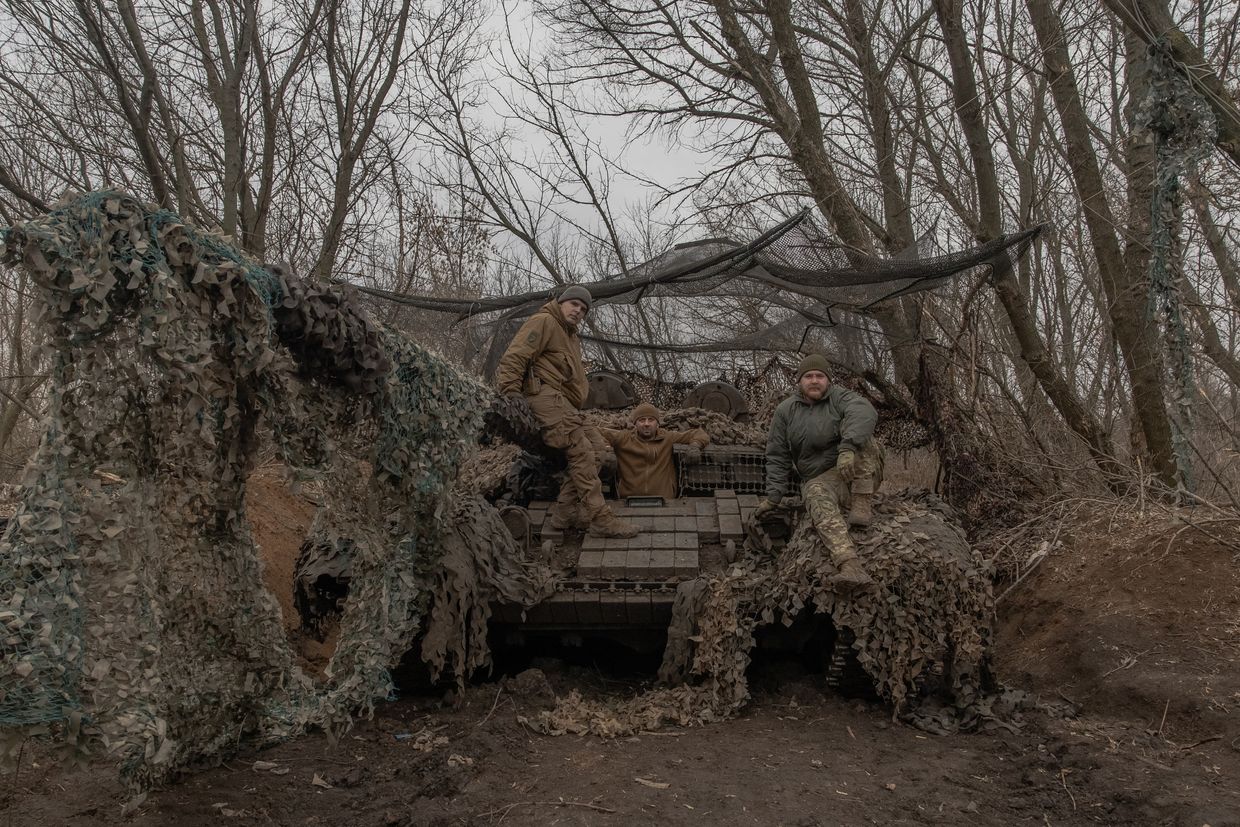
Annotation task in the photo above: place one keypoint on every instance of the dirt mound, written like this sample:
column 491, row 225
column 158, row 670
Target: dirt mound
column 280, row 519
column 1135, row 616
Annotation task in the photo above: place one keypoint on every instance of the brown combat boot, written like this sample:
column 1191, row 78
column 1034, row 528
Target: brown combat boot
column 862, row 512
column 607, row 524
column 851, row 575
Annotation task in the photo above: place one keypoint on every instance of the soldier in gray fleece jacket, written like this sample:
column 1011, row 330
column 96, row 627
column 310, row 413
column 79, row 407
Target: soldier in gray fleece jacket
column 824, row 434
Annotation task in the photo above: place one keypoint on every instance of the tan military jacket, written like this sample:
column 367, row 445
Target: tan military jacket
column 646, row 468
column 545, row 353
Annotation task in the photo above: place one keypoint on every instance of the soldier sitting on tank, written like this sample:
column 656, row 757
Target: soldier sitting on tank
column 644, row 453
column 543, row 363
column 825, row 434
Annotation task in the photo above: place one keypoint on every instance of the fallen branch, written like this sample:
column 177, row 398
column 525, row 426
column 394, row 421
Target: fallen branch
column 503, row 811
column 1063, row 779
column 1202, row 741
column 494, row 704
column 1127, row 662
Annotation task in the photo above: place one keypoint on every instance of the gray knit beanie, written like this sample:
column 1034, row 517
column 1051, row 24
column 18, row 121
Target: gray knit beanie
column 579, row 293
column 815, row 361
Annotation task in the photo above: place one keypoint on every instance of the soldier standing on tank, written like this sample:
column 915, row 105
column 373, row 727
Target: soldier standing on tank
column 825, row 433
column 644, row 453
column 543, row 363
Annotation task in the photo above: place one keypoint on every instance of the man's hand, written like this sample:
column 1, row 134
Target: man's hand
column 846, row 465
column 763, row 508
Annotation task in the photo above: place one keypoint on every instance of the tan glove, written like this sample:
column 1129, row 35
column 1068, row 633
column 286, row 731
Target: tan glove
column 846, row 464
column 763, row 508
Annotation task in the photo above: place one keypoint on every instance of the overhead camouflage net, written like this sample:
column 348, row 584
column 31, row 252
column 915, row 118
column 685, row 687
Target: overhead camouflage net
column 932, row 604
column 796, row 266
column 132, row 609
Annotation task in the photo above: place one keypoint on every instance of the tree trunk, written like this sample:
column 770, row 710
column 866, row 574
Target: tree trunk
column 1125, row 289
column 1150, row 21
column 1228, row 267
column 1033, row 350
column 1211, row 342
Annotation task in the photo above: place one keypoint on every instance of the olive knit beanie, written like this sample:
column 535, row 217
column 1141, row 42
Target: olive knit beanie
column 815, row 361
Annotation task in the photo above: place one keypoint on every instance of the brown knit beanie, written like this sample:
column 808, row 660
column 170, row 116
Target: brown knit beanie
column 815, row 361
column 579, row 293
column 643, row 410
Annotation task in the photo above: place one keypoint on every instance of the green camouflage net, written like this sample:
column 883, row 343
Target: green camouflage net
column 132, row 609
column 1184, row 130
column 932, row 605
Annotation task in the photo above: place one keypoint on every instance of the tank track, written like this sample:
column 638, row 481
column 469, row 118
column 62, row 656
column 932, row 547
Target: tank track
column 845, row 675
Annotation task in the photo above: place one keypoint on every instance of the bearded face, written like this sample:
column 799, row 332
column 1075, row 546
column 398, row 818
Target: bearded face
column 814, row 385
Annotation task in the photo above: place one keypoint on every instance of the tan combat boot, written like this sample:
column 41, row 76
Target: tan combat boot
column 862, row 512
column 566, row 519
column 566, row 514
column 851, row 575
column 607, row 524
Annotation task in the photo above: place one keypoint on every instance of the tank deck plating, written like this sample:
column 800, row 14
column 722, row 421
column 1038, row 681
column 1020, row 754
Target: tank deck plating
column 628, row 582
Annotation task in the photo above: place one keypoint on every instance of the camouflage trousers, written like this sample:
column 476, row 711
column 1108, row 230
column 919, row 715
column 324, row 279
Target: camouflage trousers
column 828, row 496
column 564, row 429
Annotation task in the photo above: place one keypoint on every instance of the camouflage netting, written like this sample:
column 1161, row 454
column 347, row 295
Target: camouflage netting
column 485, row 473
column 722, row 430
column 131, row 601
column 798, row 265
column 932, row 604
column 481, row 564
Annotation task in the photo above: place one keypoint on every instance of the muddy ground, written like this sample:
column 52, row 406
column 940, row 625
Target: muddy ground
column 1129, row 633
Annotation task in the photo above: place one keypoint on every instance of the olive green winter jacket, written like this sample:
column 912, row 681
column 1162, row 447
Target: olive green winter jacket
column 806, row 437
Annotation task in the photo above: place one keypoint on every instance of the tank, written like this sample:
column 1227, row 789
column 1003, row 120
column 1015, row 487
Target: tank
column 630, row 584
column 606, row 584
column 618, row 590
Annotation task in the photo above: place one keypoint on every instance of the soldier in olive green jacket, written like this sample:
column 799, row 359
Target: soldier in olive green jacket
column 825, row 434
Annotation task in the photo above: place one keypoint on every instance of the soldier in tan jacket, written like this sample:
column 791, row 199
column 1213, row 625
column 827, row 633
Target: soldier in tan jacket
column 543, row 363
column 644, row 453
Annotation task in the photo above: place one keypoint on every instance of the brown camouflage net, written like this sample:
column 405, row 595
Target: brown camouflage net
column 722, row 430
column 134, row 618
column 485, row 473
column 932, row 604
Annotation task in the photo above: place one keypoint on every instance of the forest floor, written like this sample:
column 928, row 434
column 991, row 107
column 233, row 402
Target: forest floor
column 1128, row 631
